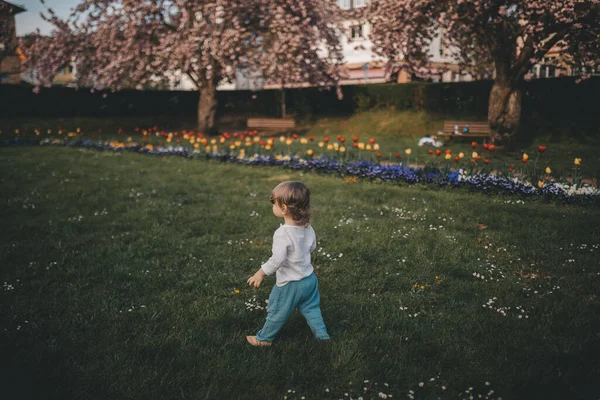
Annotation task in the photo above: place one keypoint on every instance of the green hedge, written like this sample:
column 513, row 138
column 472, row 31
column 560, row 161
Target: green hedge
column 550, row 98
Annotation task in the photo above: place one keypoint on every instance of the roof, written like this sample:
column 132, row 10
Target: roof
column 12, row 8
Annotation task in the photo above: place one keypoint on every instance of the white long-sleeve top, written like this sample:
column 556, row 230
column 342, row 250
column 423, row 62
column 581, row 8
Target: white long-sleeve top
column 292, row 246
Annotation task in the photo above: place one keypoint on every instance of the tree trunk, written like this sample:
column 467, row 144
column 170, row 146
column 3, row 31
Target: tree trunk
column 207, row 107
column 504, row 111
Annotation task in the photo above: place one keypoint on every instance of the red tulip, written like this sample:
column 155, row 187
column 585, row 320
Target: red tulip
column 524, row 160
column 474, row 145
column 456, row 159
column 438, row 152
column 397, row 155
column 311, row 138
column 262, row 143
column 295, row 136
column 342, row 139
column 355, row 138
column 510, row 169
column 448, row 151
column 541, row 149
column 430, row 151
column 491, row 147
column 326, row 139
column 372, row 141
column 355, row 145
column 486, row 161
column 379, row 155
column 486, row 146
column 235, row 134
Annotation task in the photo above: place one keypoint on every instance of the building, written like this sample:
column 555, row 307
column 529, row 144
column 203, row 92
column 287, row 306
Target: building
column 10, row 58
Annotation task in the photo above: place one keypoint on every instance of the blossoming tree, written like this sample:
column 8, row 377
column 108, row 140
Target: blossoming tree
column 129, row 42
column 506, row 37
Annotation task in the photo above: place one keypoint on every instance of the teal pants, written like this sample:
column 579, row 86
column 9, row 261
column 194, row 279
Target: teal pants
column 303, row 294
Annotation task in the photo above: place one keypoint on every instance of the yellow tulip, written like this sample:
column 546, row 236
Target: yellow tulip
column 207, row 149
column 237, row 143
column 196, row 145
column 368, row 147
column 321, row 144
column 461, row 154
column 540, row 184
column 304, row 141
column 192, row 140
column 310, row 152
column 376, row 146
column 448, row 156
column 215, row 148
column 248, row 143
column 242, row 152
column 408, row 152
column 548, row 170
column 336, row 146
column 169, row 140
column 342, row 149
column 232, row 146
column 474, row 155
column 49, row 131
column 222, row 140
column 577, row 161
column 282, row 139
column 289, row 142
column 525, row 156
column 329, row 147
column 256, row 139
column 186, row 136
column 361, row 146
column 213, row 141
column 268, row 147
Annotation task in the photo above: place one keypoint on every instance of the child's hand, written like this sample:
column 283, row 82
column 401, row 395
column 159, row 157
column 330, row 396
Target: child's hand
column 257, row 278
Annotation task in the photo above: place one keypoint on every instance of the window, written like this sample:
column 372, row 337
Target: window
column 343, row 4
column 356, row 32
column 360, row 3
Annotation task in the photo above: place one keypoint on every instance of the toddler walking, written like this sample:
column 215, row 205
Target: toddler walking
column 297, row 284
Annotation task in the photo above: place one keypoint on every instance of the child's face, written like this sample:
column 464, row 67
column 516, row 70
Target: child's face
column 277, row 210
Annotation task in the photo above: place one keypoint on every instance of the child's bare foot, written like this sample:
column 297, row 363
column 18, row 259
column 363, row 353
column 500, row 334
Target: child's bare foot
column 257, row 343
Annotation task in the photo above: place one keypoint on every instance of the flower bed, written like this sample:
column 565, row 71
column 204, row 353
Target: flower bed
column 441, row 174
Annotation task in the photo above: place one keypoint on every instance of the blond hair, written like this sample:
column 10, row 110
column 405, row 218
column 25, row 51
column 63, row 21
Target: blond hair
column 296, row 197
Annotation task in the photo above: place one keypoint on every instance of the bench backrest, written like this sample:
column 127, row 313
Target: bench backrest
column 474, row 126
column 271, row 123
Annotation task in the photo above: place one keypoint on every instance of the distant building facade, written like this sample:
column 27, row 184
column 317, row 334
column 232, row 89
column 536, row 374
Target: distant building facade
column 10, row 57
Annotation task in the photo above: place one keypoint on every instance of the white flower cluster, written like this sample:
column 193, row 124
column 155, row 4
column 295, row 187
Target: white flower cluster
column 254, row 305
column 329, row 256
column 504, row 310
column 574, row 190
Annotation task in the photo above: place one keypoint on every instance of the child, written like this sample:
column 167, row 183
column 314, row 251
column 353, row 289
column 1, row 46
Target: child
column 297, row 284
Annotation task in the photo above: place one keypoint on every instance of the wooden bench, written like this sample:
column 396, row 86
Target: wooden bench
column 477, row 129
column 271, row 124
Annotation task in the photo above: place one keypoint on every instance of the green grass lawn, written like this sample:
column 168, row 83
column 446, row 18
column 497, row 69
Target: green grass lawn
column 120, row 275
